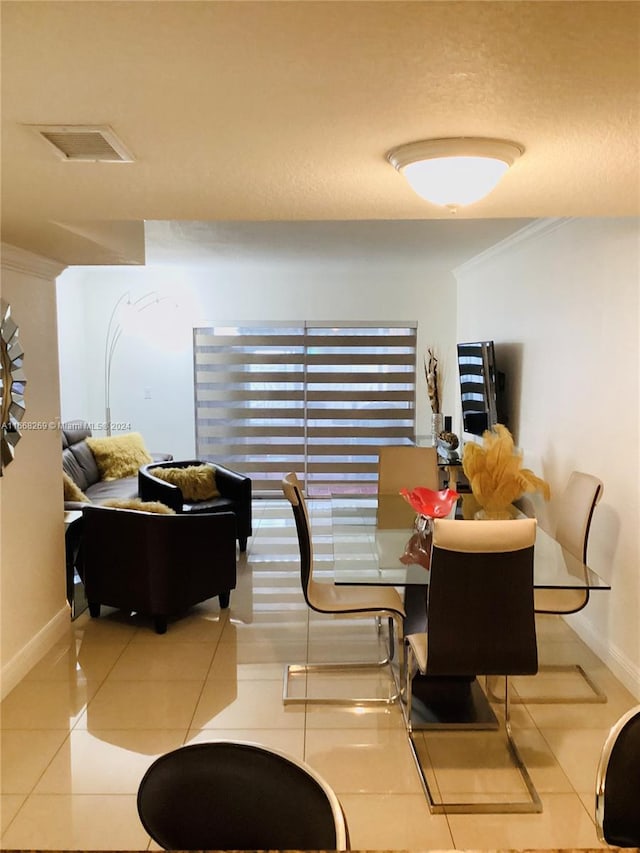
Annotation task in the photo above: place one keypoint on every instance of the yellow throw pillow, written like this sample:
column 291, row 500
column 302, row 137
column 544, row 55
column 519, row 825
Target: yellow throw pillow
column 119, row 455
column 73, row 492
column 140, row 505
column 196, row 482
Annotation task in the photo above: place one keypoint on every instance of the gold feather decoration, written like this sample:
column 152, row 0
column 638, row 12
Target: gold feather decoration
column 495, row 474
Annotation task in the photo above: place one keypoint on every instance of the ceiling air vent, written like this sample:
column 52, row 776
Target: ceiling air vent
column 88, row 143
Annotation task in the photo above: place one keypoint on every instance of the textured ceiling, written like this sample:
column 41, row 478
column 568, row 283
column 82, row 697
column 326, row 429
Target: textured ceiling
column 262, row 111
column 436, row 245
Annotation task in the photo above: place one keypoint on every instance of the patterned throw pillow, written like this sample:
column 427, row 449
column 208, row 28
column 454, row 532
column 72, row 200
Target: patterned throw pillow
column 73, row 492
column 140, row 505
column 119, row 455
column 196, row 482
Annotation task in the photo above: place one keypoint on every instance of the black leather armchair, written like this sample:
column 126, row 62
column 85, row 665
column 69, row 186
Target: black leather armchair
column 156, row 564
column 234, row 488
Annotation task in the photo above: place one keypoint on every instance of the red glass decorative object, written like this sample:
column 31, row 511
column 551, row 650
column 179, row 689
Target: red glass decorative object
column 429, row 502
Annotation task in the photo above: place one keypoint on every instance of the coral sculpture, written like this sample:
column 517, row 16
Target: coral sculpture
column 495, row 474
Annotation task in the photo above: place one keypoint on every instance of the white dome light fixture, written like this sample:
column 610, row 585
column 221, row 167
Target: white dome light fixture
column 454, row 172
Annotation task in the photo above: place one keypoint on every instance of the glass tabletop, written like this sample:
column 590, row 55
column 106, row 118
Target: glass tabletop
column 368, row 546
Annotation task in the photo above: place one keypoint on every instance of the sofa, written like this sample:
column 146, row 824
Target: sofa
column 234, row 494
column 157, row 565
column 79, row 463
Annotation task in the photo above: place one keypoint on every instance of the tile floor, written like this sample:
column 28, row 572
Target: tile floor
column 79, row 731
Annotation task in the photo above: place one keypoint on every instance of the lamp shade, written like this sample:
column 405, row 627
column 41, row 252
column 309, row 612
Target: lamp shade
column 454, row 172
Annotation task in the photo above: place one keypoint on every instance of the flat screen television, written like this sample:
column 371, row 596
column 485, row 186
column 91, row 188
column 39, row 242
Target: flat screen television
column 481, row 387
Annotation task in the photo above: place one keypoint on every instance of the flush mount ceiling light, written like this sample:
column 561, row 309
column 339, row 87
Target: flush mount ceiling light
column 454, row 172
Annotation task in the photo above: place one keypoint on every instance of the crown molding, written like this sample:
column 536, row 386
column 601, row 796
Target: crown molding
column 20, row 260
column 538, row 228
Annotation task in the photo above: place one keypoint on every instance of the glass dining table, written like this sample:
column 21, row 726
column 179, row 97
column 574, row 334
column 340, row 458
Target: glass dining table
column 372, row 546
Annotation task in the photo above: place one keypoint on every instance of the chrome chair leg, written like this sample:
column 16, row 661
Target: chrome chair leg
column 293, row 669
column 597, row 696
column 531, row 806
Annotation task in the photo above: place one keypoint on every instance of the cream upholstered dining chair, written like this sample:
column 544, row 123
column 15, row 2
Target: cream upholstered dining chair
column 403, row 467
column 576, row 507
column 355, row 601
column 480, row 621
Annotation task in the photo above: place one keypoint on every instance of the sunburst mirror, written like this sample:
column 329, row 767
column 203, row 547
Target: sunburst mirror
column 12, row 384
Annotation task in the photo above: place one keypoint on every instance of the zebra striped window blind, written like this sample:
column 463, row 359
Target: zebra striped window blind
column 317, row 399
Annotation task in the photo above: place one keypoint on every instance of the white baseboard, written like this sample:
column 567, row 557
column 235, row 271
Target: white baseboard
column 20, row 664
column 619, row 664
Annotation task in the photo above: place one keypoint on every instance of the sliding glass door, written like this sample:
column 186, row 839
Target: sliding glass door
column 317, row 399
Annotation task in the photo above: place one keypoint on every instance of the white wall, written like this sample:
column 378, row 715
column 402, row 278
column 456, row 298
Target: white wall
column 561, row 301
column 158, row 361
column 33, row 608
column 72, row 322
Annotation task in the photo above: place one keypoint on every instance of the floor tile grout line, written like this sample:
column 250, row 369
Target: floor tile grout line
column 190, row 725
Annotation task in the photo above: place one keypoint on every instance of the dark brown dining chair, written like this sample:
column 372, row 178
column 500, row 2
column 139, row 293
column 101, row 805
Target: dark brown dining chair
column 618, row 783
column 355, row 601
column 231, row 795
column 480, row 621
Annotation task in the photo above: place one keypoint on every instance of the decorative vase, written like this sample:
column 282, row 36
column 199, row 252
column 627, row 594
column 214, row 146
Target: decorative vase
column 446, row 445
column 437, row 425
column 423, row 525
column 417, row 551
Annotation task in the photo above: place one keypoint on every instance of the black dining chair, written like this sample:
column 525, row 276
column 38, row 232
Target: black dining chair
column 618, row 783
column 355, row 601
column 480, row 621
column 232, row 795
